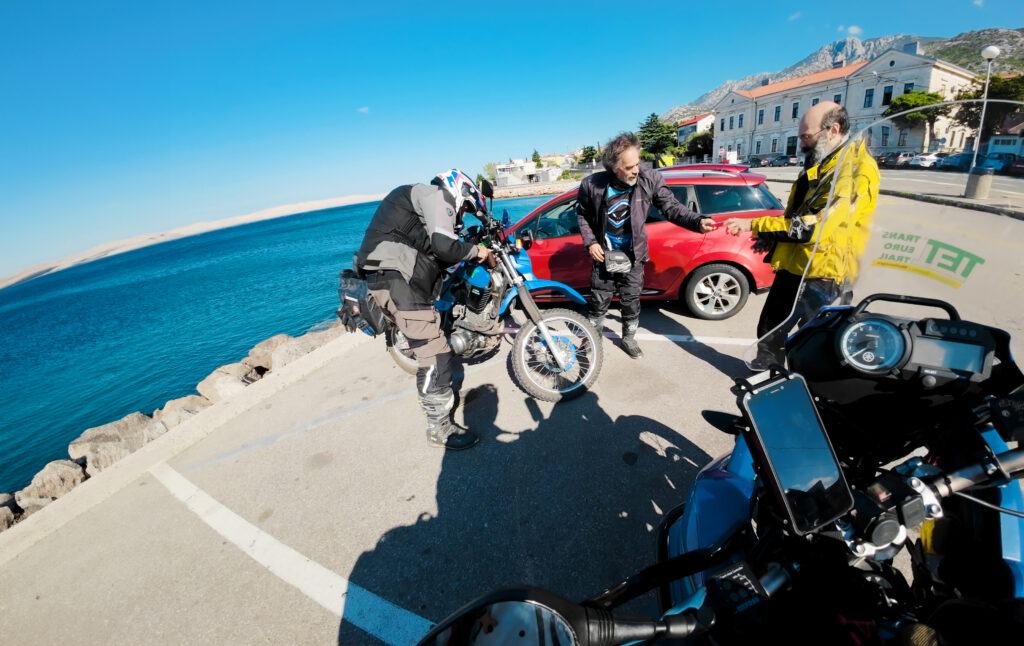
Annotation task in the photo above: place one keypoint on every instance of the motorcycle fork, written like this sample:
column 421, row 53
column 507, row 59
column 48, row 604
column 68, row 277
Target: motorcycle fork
column 532, row 311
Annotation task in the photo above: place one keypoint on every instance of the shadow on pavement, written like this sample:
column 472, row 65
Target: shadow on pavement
column 571, row 504
column 655, row 320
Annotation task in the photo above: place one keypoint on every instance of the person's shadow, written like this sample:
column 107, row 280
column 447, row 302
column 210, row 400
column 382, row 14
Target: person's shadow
column 571, row 504
column 657, row 322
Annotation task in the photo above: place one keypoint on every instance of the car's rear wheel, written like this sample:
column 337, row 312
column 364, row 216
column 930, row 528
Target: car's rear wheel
column 716, row 291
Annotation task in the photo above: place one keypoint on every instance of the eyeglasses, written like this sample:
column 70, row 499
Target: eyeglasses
column 808, row 135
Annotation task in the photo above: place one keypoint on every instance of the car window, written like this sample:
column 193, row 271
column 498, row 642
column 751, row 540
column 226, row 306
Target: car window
column 556, row 222
column 729, row 199
column 681, row 193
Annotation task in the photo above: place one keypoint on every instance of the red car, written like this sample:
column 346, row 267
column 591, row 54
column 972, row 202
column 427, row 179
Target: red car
column 712, row 273
column 1016, row 168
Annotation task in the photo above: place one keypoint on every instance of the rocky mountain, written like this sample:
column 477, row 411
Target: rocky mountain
column 961, row 50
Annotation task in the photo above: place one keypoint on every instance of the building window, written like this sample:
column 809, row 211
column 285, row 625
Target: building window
column 760, row 117
column 729, row 147
column 814, row 101
column 887, row 95
column 757, row 147
column 908, row 87
column 885, row 136
column 796, row 108
column 739, row 150
column 723, row 123
column 730, row 122
column 903, row 138
column 778, row 114
column 869, row 97
column 837, row 98
column 790, row 145
column 739, row 123
column 775, row 145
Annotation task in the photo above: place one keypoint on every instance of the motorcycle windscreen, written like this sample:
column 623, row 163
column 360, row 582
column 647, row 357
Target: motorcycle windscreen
column 863, row 242
column 796, row 459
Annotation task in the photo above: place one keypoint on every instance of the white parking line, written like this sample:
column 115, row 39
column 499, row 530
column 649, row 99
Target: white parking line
column 375, row 615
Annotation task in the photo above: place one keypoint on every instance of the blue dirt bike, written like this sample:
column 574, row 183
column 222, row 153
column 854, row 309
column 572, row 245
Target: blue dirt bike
column 556, row 353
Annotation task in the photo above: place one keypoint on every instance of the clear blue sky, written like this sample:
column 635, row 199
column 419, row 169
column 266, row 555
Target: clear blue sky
column 123, row 118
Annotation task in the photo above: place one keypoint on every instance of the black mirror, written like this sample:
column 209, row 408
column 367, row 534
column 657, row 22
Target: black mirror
column 526, row 237
column 487, row 189
column 510, row 616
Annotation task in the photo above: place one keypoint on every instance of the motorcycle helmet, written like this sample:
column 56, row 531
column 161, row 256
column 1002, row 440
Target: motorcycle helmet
column 466, row 195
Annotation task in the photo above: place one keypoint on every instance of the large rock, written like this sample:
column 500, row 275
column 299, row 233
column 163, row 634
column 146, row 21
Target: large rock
column 8, row 509
column 56, row 479
column 104, row 445
column 294, row 348
column 226, row 381
column 178, row 410
column 261, row 354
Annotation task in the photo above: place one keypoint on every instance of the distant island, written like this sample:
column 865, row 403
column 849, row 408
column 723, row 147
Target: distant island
column 146, row 239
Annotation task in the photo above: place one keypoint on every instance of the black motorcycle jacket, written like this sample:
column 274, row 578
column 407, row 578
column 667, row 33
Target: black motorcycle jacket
column 413, row 232
column 650, row 189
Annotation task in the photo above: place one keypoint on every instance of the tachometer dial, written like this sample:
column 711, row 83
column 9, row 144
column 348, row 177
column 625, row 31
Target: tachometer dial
column 872, row 345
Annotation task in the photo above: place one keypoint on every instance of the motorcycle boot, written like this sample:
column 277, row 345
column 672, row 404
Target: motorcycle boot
column 437, row 399
column 598, row 323
column 629, row 344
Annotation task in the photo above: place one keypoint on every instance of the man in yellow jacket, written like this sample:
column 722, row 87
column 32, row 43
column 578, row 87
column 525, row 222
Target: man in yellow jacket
column 840, row 230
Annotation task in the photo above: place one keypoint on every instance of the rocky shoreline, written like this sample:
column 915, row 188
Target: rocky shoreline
column 99, row 447
column 540, row 188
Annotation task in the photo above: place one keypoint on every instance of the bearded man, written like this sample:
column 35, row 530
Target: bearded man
column 839, row 228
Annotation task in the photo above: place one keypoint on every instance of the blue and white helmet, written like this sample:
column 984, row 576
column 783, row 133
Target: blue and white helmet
column 467, row 196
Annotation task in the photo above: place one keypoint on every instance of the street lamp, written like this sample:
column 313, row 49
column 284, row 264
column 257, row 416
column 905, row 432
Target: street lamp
column 988, row 54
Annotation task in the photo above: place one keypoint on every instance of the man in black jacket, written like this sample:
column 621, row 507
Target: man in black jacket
column 410, row 240
column 612, row 209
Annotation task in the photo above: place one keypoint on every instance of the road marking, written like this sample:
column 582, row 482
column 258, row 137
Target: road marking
column 375, row 615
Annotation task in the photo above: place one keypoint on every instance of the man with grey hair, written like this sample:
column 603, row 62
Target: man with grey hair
column 612, row 208
column 795, row 297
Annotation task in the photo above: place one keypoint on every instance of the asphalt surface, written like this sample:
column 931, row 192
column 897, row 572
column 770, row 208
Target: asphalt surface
column 310, row 510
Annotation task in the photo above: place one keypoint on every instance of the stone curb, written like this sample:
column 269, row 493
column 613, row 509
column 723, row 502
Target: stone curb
column 104, row 484
column 934, row 199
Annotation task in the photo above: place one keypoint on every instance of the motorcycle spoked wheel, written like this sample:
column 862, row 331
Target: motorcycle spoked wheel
column 534, row 367
column 398, row 348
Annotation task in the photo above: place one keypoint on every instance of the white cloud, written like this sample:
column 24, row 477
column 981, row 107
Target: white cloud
column 795, row 16
column 364, row 110
column 854, row 30
column 978, row 3
column 841, row 28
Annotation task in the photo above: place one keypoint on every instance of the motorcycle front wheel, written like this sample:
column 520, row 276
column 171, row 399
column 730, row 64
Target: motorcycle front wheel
column 534, row 367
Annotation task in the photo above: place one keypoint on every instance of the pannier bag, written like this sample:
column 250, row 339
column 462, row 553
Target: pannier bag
column 617, row 262
column 358, row 310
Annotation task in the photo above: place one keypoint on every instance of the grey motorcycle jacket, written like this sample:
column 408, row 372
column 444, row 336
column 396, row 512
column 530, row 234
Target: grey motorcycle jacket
column 413, row 232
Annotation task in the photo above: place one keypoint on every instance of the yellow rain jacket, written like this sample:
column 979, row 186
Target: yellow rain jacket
column 846, row 222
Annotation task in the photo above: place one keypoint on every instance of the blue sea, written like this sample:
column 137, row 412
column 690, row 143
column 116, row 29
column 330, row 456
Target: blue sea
column 90, row 344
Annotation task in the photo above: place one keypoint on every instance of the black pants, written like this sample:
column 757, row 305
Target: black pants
column 604, row 285
column 788, row 305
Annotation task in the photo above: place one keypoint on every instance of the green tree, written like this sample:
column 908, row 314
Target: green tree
column 489, row 168
column 926, row 116
column 699, row 145
column 479, row 179
column 589, row 154
column 1007, row 89
column 536, row 159
column 655, row 136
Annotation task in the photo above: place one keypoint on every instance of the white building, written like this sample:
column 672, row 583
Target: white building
column 692, row 126
column 763, row 122
column 521, row 171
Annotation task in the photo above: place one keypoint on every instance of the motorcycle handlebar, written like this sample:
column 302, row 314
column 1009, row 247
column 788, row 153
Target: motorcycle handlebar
column 1002, row 465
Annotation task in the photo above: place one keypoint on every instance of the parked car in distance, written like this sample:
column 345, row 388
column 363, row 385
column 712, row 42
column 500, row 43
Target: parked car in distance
column 757, row 161
column 927, row 160
column 784, row 160
column 711, row 273
column 1016, row 168
column 998, row 162
column 898, row 159
column 958, row 162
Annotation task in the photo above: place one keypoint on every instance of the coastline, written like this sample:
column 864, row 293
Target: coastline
column 147, row 239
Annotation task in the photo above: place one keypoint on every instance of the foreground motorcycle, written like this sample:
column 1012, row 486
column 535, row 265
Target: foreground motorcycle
column 871, row 496
column 556, row 353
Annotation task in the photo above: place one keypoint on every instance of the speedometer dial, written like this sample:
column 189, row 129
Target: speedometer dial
column 872, row 345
